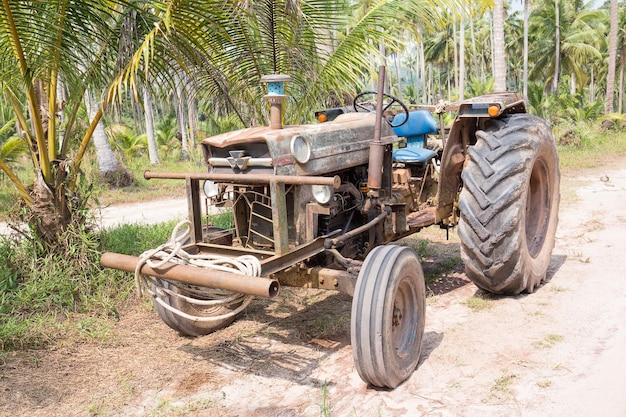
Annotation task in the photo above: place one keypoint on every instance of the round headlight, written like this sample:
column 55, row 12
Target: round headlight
column 210, row 189
column 322, row 193
column 300, row 149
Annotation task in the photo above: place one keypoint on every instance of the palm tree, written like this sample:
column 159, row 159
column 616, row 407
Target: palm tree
column 85, row 46
column 153, row 153
column 610, row 80
column 622, row 48
column 499, row 63
column 581, row 36
column 317, row 43
column 45, row 45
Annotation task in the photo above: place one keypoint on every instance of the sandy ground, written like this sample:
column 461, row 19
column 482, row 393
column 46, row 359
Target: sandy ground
column 142, row 213
column 558, row 352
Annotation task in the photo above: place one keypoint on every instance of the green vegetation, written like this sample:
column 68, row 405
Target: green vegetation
column 480, row 302
column 45, row 296
column 203, row 85
column 588, row 145
column 549, row 341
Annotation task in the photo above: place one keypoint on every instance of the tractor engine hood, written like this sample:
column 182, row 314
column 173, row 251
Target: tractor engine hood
column 312, row 149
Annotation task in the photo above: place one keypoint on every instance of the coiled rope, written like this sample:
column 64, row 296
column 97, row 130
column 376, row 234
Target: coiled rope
column 172, row 251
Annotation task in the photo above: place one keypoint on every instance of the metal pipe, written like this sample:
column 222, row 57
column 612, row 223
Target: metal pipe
column 276, row 110
column 247, row 178
column 377, row 149
column 210, row 278
column 331, row 243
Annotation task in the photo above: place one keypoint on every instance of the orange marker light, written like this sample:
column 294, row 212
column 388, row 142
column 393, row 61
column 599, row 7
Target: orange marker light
column 493, row 110
column 322, row 117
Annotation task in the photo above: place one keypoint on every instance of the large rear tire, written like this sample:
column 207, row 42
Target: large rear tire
column 509, row 205
column 388, row 316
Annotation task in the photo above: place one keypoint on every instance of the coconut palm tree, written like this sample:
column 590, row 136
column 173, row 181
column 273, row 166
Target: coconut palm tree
column 318, row 43
column 580, row 32
column 610, row 80
column 224, row 46
column 45, row 45
column 499, row 63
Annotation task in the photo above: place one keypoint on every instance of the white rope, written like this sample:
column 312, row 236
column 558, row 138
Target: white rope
column 172, row 251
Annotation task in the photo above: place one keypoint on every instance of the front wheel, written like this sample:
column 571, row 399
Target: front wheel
column 388, row 316
column 509, row 205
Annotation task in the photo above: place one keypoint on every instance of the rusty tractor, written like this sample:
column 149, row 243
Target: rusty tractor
column 319, row 205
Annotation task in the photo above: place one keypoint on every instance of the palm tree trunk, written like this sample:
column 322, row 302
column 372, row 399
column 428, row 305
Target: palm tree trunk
column 474, row 54
column 431, row 83
column 455, row 55
column 499, row 66
column 398, row 75
column 425, row 94
column 620, row 99
column 610, row 78
column 525, row 81
column 592, row 86
column 107, row 160
column 557, row 47
column 462, row 59
column 182, row 120
column 192, row 115
column 147, row 108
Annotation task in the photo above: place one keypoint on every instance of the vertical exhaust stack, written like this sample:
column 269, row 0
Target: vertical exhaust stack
column 377, row 148
column 275, row 97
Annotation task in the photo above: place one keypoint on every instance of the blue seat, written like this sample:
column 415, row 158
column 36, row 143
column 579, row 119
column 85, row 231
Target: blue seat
column 420, row 123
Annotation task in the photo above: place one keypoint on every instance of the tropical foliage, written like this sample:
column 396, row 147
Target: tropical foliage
column 67, row 67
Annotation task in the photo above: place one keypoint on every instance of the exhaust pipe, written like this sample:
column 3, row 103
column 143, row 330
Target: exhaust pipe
column 377, row 148
column 210, row 278
column 275, row 97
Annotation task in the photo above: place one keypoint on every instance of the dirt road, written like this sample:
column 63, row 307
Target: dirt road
column 558, row 352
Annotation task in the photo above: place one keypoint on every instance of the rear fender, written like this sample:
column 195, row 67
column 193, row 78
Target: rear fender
column 462, row 135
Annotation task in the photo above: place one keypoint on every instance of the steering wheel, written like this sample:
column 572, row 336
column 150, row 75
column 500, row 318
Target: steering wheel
column 360, row 105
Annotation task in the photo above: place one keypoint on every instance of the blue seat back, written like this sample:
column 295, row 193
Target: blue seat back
column 420, row 123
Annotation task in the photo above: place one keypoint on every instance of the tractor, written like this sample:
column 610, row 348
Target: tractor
column 320, row 206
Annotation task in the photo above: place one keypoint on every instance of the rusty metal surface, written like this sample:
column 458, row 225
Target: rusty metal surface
column 331, row 243
column 194, row 209
column 422, row 218
column 452, row 162
column 318, row 277
column 248, row 179
column 279, row 218
column 377, row 149
column 343, row 141
column 210, row 278
column 334, row 279
column 294, row 256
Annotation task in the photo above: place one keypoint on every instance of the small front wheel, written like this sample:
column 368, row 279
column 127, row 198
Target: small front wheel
column 388, row 316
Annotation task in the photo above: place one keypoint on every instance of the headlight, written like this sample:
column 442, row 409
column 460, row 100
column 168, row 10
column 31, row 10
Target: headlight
column 300, row 149
column 210, row 189
column 322, row 193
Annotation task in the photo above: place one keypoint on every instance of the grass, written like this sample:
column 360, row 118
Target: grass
column 479, row 302
column 439, row 257
column 549, row 341
column 325, row 407
column 46, row 297
column 501, row 388
column 592, row 148
column 102, row 194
